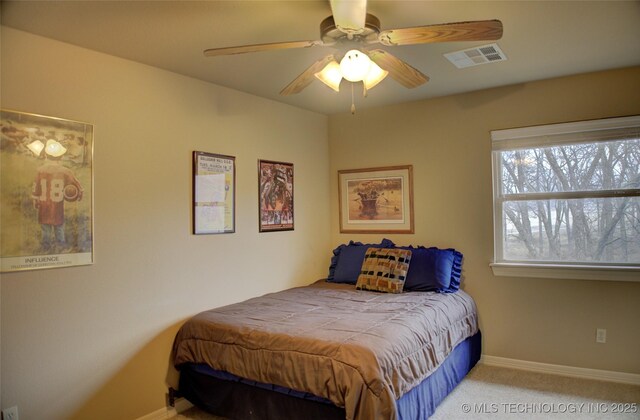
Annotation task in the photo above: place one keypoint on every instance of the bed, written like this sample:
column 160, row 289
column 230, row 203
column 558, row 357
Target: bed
column 329, row 351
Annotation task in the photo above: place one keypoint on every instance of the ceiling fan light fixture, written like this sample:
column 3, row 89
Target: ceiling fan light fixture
column 375, row 76
column 355, row 66
column 331, row 75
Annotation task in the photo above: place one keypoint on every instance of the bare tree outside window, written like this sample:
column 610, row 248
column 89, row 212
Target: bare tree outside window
column 571, row 203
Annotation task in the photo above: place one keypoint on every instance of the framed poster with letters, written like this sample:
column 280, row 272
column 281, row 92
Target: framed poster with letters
column 46, row 219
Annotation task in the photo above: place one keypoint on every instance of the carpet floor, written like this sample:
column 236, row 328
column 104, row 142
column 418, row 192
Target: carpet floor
column 499, row 393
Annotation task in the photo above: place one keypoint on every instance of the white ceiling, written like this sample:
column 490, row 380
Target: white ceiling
column 542, row 39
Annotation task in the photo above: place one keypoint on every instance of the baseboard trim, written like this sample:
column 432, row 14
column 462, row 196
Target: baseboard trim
column 576, row 372
column 168, row 412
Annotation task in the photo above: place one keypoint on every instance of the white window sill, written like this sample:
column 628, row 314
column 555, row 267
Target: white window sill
column 557, row 271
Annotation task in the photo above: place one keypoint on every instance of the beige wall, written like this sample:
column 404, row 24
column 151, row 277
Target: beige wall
column 94, row 341
column 447, row 141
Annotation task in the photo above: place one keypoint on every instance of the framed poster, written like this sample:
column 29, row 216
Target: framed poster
column 275, row 186
column 214, row 193
column 376, row 200
column 46, row 188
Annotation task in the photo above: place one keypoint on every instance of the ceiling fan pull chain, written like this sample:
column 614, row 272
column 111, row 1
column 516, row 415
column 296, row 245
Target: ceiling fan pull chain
column 353, row 104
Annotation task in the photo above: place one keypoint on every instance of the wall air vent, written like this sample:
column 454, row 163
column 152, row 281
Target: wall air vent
column 483, row 54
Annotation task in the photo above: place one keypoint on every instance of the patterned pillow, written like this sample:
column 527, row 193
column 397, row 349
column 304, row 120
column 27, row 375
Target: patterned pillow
column 384, row 270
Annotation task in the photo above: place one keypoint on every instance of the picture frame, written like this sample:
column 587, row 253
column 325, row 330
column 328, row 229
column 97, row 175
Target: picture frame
column 275, row 196
column 46, row 175
column 376, row 200
column 214, row 193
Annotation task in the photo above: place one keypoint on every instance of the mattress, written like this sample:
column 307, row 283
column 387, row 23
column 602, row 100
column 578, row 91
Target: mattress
column 360, row 350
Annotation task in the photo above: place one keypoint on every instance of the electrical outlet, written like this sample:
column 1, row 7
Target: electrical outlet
column 601, row 335
column 10, row 413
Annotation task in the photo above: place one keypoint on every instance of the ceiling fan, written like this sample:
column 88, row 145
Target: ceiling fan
column 351, row 30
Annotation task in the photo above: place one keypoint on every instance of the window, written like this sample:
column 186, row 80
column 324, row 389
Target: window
column 567, row 200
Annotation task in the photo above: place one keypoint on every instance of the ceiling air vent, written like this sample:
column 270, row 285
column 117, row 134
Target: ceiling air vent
column 475, row 56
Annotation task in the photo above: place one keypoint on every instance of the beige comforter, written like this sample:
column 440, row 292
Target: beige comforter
column 362, row 350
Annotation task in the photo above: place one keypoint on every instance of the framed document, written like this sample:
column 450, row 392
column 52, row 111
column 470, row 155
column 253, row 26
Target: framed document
column 46, row 173
column 214, row 193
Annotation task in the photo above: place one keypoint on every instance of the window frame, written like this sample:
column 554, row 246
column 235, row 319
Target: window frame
column 601, row 130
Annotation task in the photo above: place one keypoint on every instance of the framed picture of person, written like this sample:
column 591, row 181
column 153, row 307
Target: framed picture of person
column 46, row 188
column 275, row 186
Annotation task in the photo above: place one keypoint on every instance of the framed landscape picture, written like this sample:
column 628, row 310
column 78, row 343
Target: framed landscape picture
column 46, row 215
column 275, row 186
column 376, row 200
column 214, row 193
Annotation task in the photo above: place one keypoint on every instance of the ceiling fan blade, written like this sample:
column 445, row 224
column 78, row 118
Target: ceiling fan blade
column 349, row 15
column 306, row 77
column 400, row 71
column 214, row 52
column 480, row 30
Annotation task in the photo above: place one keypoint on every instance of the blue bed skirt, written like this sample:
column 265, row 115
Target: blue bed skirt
column 227, row 395
column 421, row 402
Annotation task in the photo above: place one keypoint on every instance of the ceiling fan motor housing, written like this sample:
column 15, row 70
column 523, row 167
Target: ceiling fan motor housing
column 330, row 34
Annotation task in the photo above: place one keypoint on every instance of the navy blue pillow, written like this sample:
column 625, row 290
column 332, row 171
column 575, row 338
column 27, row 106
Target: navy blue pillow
column 456, row 272
column 434, row 269
column 347, row 261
